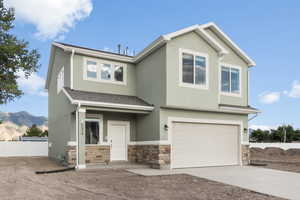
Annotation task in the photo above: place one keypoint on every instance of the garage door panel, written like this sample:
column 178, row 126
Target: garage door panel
column 196, row 145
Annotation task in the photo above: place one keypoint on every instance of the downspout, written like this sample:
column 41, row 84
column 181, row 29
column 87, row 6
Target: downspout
column 71, row 68
column 77, row 135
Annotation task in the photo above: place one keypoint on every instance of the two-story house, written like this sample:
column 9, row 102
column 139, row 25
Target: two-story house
column 181, row 102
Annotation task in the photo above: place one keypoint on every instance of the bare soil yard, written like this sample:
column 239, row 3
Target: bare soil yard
column 18, row 181
column 276, row 158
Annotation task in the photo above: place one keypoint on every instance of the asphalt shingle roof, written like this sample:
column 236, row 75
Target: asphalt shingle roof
column 106, row 97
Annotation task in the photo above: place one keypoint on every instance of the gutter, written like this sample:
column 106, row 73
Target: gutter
column 107, row 105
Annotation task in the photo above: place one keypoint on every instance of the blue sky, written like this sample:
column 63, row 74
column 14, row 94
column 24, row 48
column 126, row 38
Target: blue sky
column 267, row 30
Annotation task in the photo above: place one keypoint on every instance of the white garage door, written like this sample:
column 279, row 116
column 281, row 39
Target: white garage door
column 199, row 145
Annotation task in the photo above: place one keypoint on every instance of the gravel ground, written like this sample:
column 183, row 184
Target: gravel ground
column 18, row 181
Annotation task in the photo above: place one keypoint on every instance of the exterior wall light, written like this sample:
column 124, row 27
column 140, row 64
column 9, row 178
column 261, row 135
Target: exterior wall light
column 166, row 127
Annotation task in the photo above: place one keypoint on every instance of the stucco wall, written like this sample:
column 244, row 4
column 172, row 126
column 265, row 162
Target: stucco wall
column 59, row 108
column 194, row 97
column 151, row 86
column 95, row 86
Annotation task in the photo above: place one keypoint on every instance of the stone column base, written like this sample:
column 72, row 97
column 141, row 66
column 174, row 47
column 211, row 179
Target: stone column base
column 157, row 156
column 245, row 154
column 93, row 154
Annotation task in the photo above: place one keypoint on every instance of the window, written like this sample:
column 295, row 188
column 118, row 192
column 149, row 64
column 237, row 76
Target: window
column 102, row 71
column 230, row 80
column 60, row 80
column 91, row 71
column 194, row 69
column 92, row 132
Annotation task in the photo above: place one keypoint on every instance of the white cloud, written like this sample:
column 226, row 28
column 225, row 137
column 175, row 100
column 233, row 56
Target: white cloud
column 295, row 91
column 33, row 85
column 263, row 127
column 52, row 18
column 269, row 97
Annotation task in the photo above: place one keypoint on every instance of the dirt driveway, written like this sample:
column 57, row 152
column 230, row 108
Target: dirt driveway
column 18, row 181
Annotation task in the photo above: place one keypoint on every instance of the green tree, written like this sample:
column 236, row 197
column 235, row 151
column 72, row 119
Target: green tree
column 15, row 56
column 34, row 131
column 260, row 136
column 45, row 133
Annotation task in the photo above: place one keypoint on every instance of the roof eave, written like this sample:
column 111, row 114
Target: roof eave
column 151, row 48
column 240, row 110
column 229, row 42
column 107, row 105
column 50, row 66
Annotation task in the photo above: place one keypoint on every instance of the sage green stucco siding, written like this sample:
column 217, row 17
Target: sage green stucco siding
column 151, row 86
column 165, row 114
column 59, row 108
column 233, row 59
column 178, row 95
column 95, row 86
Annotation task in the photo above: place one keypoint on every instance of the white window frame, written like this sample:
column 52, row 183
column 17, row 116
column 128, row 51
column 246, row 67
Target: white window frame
column 99, row 64
column 60, row 79
column 100, row 122
column 230, row 66
column 193, row 85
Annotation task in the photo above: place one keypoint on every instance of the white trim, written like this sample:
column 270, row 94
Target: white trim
column 230, row 42
column 220, row 49
column 71, row 68
column 127, row 134
column 194, row 53
column 81, row 166
column 150, row 48
column 99, row 64
column 230, row 66
column 245, row 110
column 109, row 105
column 171, row 120
column 114, row 105
column 71, row 143
column 60, row 79
column 67, row 94
column 153, row 142
column 95, row 53
column 82, row 110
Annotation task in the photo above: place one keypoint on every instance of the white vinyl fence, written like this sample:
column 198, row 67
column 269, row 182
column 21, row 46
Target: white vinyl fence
column 284, row 146
column 21, row 148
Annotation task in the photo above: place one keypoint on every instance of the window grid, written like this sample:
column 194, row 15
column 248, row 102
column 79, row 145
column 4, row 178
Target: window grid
column 111, row 74
column 224, row 67
column 201, row 68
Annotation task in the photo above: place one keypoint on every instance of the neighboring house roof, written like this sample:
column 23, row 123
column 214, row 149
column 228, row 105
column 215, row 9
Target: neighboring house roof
column 201, row 30
column 106, row 100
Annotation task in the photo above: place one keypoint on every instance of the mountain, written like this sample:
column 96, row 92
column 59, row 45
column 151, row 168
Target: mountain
column 15, row 125
column 23, row 118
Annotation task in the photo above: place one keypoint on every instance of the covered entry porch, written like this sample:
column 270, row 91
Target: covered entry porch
column 105, row 127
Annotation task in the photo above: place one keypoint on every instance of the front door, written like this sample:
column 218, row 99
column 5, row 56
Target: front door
column 118, row 131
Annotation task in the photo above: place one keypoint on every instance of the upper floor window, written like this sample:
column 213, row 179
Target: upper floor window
column 230, row 79
column 193, row 69
column 104, row 71
column 91, row 71
column 60, row 80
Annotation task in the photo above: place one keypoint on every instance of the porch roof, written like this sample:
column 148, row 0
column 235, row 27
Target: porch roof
column 107, row 100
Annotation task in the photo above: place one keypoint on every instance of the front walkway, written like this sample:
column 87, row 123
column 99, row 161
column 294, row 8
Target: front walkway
column 273, row 182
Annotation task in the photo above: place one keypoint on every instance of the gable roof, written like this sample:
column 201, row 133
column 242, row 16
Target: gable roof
column 201, row 30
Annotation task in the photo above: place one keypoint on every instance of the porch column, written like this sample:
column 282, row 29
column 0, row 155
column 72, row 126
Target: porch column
column 81, row 138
